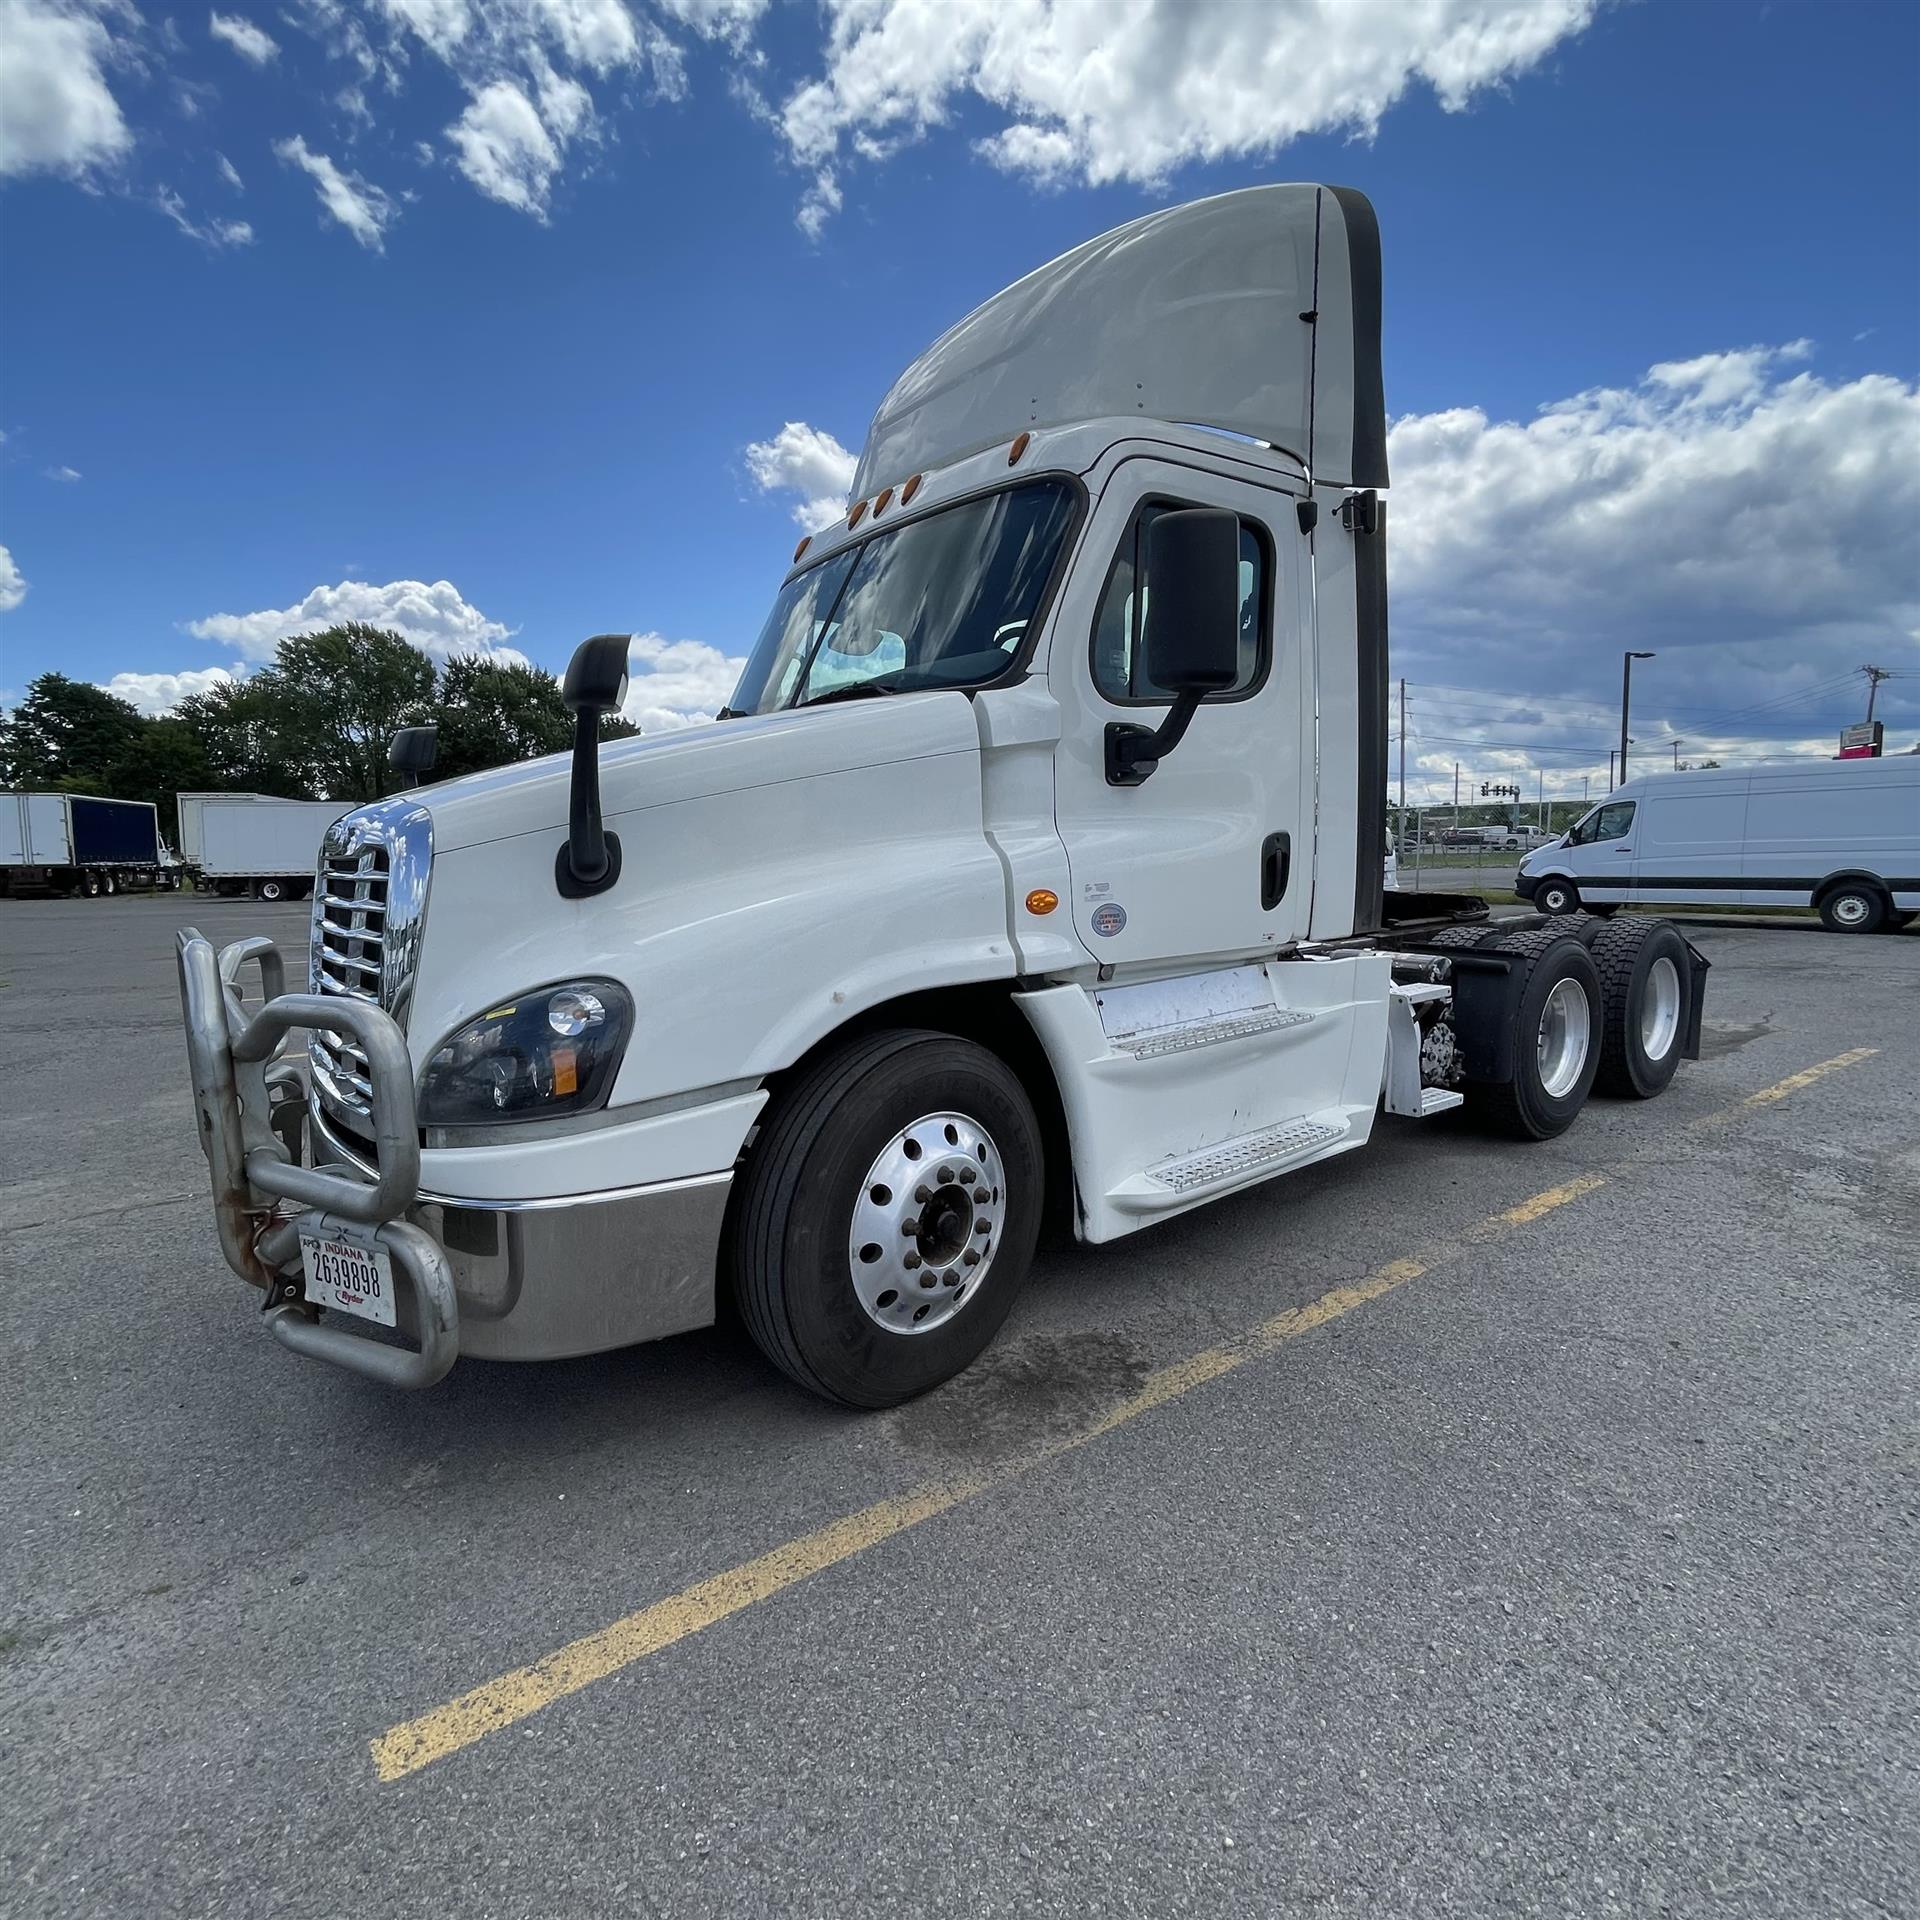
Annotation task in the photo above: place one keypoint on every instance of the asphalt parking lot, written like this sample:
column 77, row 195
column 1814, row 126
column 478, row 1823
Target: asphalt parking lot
column 1454, row 1528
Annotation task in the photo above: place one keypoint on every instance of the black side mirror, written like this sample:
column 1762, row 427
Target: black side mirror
column 1191, row 630
column 411, row 754
column 589, row 858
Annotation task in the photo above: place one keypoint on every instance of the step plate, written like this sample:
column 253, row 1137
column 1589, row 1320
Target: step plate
column 1157, row 1041
column 1251, row 1151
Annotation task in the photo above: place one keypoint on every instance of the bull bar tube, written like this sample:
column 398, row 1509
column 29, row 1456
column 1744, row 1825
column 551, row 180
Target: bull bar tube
column 238, row 1069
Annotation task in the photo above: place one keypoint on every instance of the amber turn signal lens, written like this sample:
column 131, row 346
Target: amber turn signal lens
column 1018, row 448
column 1042, row 900
column 806, row 540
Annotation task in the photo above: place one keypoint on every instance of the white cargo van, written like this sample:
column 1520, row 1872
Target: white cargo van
column 1034, row 869
column 1840, row 835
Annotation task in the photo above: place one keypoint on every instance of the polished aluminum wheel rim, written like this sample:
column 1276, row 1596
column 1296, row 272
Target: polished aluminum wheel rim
column 1660, row 1009
column 927, row 1223
column 1566, row 1031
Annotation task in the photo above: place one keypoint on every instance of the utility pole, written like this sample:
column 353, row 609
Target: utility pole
column 1626, row 701
column 1611, row 782
column 1543, row 799
column 1586, row 780
column 1403, row 750
column 1676, row 756
column 1456, row 796
column 1874, row 676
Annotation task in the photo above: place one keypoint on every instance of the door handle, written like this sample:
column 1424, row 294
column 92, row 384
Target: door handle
column 1276, row 861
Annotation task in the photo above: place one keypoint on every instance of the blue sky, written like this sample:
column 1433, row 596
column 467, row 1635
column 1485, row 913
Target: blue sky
column 588, row 264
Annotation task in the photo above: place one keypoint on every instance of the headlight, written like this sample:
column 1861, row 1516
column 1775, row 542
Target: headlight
column 549, row 1052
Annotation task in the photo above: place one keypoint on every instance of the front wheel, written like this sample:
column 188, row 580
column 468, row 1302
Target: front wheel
column 270, row 890
column 1556, row 895
column 887, row 1216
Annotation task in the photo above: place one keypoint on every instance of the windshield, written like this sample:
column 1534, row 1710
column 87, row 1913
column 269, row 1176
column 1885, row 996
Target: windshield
column 943, row 601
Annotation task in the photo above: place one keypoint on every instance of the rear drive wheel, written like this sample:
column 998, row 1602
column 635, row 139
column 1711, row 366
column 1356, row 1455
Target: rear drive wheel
column 1556, row 1040
column 90, row 884
column 1556, row 894
column 887, row 1216
column 1854, row 906
column 1644, row 973
column 109, row 883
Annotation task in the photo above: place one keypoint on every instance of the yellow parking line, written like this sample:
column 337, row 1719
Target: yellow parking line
column 512, row 1697
column 1783, row 1089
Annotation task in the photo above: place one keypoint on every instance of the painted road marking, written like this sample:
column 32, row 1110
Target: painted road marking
column 1784, row 1089
column 512, row 1697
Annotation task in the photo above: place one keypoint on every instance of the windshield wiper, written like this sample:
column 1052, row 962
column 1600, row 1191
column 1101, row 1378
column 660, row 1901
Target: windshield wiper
column 853, row 690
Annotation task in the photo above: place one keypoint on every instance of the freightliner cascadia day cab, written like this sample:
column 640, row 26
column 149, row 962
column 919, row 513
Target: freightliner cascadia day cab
column 1839, row 835
column 1033, row 870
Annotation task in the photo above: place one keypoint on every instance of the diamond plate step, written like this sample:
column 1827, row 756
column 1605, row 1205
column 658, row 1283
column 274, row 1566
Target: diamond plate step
column 1250, row 1152
column 1154, row 1042
column 1438, row 1100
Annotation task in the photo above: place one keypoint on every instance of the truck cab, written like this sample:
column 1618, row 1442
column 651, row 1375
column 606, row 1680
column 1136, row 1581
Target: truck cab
column 1033, row 869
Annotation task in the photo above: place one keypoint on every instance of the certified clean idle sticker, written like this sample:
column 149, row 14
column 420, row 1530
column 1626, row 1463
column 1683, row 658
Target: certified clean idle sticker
column 1109, row 919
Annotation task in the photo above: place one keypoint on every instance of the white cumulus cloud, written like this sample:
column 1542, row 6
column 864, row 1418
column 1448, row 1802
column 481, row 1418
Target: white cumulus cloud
column 512, row 150
column 57, row 113
column 251, row 43
column 676, row 683
column 157, row 693
column 1746, row 519
column 809, row 462
column 436, row 618
column 358, row 205
column 13, row 583
column 1104, row 90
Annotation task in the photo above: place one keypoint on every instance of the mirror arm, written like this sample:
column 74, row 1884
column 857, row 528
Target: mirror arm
column 589, row 857
column 1133, row 752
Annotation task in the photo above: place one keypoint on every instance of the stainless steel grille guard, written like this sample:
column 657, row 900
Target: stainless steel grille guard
column 234, row 1058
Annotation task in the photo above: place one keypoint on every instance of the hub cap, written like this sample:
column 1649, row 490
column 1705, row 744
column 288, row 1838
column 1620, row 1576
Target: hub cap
column 1660, row 1009
column 927, row 1223
column 1566, row 1028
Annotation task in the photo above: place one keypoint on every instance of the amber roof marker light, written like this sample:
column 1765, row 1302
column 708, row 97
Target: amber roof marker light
column 853, row 518
column 881, row 501
column 1020, row 444
column 806, row 540
column 910, row 489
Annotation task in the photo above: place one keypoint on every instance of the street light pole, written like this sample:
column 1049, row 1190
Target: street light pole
column 1626, row 700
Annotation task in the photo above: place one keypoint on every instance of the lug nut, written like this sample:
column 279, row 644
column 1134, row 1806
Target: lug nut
column 983, row 1226
column 911, row 1261
column 923, row 1194
column 929, row 1280
column 968, row 1176
column 945, row 1176
column 971, row 1257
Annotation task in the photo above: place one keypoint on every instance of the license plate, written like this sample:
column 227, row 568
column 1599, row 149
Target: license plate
column 348, row 1276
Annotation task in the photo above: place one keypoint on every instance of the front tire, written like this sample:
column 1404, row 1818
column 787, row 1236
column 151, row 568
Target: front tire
column 270, row 890
column 862, row 1287
column 1555, row 895
column 1853, row 907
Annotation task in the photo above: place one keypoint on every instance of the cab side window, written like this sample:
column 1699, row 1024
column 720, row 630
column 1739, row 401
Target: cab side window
column 1611, row 822
column 1121, row 669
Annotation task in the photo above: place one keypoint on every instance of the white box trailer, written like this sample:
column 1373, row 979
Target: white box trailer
column 266, row 847
column 1034, row 868
column 1839, row 835
column 79, row 843
column 188, row 806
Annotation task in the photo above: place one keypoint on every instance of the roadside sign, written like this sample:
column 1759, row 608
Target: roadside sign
column 1861, row 742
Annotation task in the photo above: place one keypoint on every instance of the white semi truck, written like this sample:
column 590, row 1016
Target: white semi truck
column 253, row 843
column 1033, row 870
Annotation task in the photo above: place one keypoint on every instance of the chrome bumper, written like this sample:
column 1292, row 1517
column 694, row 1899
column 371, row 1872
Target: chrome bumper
column 498, row 1280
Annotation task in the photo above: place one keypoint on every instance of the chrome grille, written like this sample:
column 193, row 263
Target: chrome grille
column 369, row 899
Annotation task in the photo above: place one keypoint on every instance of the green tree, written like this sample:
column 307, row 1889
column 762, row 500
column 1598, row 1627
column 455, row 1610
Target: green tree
column 491, row 712
column 344, row 693
column 249, row 739
column 165, row 758
column 67, row 734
